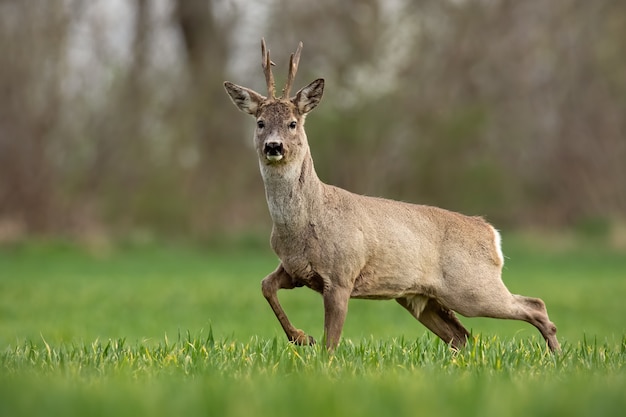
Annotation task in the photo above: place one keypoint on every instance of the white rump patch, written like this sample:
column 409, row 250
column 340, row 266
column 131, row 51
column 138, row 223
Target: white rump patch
column 497, row 241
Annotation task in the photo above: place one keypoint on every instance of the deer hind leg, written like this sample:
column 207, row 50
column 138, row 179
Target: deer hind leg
column 533, row 310
column 528, row 309
column 280, row 279
column 496, row 301
column 437, row 318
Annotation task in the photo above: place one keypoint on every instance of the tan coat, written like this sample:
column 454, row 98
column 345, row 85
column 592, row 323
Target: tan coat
column 431, row 260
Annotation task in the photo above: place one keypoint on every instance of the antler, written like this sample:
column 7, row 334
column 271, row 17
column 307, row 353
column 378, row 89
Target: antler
column 293, row 68
column 266, row 63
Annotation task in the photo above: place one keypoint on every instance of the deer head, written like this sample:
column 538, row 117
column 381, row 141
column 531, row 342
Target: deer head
column 279, row 137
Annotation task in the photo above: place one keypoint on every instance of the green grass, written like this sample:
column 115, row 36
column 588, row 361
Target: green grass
column 173, row 330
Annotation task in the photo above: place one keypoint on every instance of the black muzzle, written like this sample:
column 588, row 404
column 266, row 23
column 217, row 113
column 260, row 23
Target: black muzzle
column 274, row 149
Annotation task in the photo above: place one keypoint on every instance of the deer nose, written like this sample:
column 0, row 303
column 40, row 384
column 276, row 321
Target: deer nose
column 273, row 149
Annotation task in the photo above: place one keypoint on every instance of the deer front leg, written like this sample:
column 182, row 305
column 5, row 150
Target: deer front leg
column 335, row 311
column 280, row 279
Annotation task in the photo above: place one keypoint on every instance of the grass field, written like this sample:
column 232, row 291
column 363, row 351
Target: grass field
column 173, row 329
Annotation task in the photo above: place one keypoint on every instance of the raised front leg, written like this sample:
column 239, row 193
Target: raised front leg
column 280, row 279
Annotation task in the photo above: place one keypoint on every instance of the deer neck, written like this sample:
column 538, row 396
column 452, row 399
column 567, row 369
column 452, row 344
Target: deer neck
column 293, row 194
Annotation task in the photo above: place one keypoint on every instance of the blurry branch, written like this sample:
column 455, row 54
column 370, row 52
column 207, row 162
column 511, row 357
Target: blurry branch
column 205, row 30
column 117, row 173
column 142, row 31
column 200, row 32
column 30, row 82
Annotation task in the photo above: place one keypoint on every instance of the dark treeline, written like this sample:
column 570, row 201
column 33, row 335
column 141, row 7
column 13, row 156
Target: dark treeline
column 113, row 119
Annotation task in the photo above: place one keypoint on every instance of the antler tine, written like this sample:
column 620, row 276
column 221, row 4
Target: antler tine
column 293, row 68
column 266, row 63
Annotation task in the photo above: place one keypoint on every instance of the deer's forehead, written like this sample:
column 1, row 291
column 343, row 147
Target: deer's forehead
column 277, row 111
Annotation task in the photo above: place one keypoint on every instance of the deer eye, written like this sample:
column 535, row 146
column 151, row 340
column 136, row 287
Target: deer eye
column 292, row 125
column 260, row 124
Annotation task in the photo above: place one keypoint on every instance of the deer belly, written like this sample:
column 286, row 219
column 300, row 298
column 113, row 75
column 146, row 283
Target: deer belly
column 385, row 288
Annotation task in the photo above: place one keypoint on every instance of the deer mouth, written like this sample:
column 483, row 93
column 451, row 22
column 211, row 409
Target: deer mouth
column 274, row 151
column 274, row 158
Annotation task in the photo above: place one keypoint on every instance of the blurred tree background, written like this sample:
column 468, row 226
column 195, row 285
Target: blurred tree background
column 114, row 121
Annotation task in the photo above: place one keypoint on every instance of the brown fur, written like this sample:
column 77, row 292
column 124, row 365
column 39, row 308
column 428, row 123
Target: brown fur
column 434, row 262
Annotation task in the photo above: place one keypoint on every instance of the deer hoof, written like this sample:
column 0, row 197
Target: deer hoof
column 302, row 339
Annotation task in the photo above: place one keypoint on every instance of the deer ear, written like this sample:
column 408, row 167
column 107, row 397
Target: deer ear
column 246, row 100
column 309, row 97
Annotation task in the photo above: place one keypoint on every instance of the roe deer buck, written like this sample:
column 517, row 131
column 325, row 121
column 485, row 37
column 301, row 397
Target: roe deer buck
column 432, row 261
